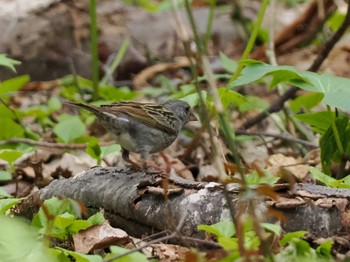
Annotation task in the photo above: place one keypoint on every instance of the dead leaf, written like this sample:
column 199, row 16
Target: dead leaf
column 99, row 236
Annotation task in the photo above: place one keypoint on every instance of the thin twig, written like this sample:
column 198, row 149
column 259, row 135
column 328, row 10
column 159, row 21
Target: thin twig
column 155, row 241
column 48, row 144
column 286, row 136
column 291, row 92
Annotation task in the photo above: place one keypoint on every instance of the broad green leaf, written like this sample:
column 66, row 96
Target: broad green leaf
column 253, row 103
column 69, row 128
column 193, row 99
column 227, row 63
column 64, row 220
column 12, row 85
column 319, row 121
column 220, row 229
column 325, row 179
column 335, row 89
column 10, row 155
column 6, row 204
column 78, row 225
column 228, row 243
column 5, row 176
column 10, row 129
column 289, row 236
column 19, row 242
column 328, row 145
column 54, row 207
column 276, row 229
column 255, row 179
column 133, row 257
column 8, row 62
column 97, row 219
column 307, row 101
column 106, row 150
column 5, row 112
column 3, row 193
column 116, row 94
column 256, row 70
column 324, row 250
column 81, row 257
column 335, row 20
column 93, row 149
column 231, row 97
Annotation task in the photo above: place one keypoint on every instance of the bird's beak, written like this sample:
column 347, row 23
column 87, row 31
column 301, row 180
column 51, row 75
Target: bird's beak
column 192, row 117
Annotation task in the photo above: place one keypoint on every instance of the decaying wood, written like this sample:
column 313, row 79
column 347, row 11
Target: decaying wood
column 131, row 204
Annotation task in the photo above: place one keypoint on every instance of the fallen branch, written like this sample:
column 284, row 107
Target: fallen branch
column 128, row 203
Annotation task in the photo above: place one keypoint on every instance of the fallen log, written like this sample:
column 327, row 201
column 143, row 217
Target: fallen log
column 135, row 202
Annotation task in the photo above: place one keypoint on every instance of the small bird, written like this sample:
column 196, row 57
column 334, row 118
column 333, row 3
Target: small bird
column 142, row 128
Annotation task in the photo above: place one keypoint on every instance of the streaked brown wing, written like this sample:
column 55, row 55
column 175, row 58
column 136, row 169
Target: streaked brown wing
column 148, row 113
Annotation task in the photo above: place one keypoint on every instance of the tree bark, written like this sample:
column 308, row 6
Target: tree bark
column 131, row 202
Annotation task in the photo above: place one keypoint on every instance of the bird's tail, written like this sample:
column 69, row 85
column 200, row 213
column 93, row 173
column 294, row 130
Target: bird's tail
column 94, row 109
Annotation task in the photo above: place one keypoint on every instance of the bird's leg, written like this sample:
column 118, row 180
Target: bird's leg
column 125, row 156
column 167, row 162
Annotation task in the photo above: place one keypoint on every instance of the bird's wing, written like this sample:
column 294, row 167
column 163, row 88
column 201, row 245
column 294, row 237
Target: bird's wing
column 150, row 114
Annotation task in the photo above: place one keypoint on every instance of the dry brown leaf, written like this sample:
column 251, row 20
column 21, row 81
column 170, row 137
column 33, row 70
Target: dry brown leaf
column 99, row 236
column 284, row 167
column 169, row 253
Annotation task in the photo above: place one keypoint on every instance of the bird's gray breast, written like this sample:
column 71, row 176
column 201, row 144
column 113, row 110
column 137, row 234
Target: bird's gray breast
column 137, row 137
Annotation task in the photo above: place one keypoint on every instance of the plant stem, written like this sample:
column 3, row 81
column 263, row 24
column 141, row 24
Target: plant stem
column 209, row 24
column 250, row 43
column 335, row 131
column 118, row 58
column 94, row 49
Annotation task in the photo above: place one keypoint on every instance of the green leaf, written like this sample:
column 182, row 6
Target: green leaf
column 81, row 257
column 12, row 85
column 93, row 149
column 328, row 145
column 324, row 250
column 227, row 63
column 319, row 121
column 335, row 21
column 230, row 97
column 253, row 103
column 255, row 179
column 19, row 242
column 69, row 128
column 335, row 89
column 106, row 150
column 133, row 257
column 63, row 221
column 8, row 62
column 10, row 129
column 220, row 229
column 78, row 225
column 10, row 155
column 5, row 176
column 307, row 101
column 227, row 243
column 96, row 219
column 193, row 99
column 6, row 204
column 113, row 93
column 289, row 236
column 276, row 229
column 3, row 193
column 256, row 70
column 325, row 179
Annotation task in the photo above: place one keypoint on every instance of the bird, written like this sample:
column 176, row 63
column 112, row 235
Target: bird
column 142, row 128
